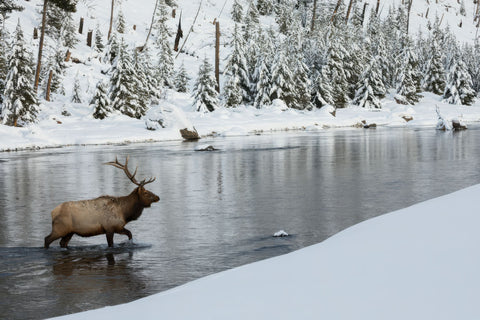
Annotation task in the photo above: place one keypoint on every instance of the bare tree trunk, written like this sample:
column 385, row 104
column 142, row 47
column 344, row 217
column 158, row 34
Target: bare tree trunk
column 80, row 28
column 111, row 21
column 40, row 45
column 314, row 15
column 377, row 8
column 363, row 12
column 335, row 10
column 217, row 54
column 49, row 85
column 348, row 10
column 151, row 25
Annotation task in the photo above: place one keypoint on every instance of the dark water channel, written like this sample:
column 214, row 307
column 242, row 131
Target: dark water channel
column 217, row 210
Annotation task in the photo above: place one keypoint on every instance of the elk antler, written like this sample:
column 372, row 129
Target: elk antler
column 124, row 167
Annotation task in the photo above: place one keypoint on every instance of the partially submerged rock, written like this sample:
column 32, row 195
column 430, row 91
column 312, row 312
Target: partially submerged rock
column 189, row 134
column 206, row 148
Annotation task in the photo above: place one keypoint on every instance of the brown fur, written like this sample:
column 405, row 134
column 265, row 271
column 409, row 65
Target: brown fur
column 104, row 215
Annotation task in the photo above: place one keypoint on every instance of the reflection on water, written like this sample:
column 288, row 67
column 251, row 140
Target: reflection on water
column 218, row 209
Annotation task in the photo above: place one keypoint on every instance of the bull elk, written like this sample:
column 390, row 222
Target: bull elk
column 104, row 215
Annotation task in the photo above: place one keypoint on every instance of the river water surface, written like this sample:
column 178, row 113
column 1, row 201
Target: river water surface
column 218, row 209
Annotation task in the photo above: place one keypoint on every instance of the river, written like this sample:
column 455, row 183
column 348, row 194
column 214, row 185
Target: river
column 218, row 209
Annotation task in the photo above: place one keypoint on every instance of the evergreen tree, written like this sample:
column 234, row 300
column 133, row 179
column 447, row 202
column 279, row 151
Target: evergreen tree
column 265, row 7
column 285, row 15
column 120, row 25
column 77, row 91
column 147, row 75
column 99, row 46
column 20, row 105
column 370, row 88
column 237, row 11
column 232, row 92
column 335, row 70
column 112, row 48
column 263, row 84
column 434, row 76
column 55, row 63
column 322, row 89
column 125, row 85
column 3, row 61
column 237, row 71
column 204, row 93
column 408, row 82
column 181, row 79
column 252, row 14
column 283, row 80
column 59, row 26
column 302, row 94
column 471, row 56
column 459, row 83
column 165, row 62
column 100, row 102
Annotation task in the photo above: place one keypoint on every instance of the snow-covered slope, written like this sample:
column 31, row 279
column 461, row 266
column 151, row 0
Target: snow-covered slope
column 421, row 262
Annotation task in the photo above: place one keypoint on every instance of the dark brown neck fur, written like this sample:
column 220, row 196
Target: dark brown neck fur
column 132, row 207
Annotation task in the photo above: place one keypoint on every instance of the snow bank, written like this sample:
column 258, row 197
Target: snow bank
column 420, row 262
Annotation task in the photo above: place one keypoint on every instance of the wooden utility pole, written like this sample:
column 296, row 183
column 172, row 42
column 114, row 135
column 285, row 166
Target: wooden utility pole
column 49, row 85
column 314, row 15
column 217, row 55
column 40, row 46
column 111, row 21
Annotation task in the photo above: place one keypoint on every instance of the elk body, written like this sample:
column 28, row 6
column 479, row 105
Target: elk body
column 104, row 215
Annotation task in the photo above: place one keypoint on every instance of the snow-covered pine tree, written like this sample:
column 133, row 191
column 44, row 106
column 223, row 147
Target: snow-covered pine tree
column 434, row 75
column 335, row 70
column 471, row 56
column 146, row 74
column 20, row 105
column 100, row 102
column 265, row 7
column 237, row 71
column 182, row 79
column 232, row 92
column 322, row 89
column 458, row 89
column 4, row 45
column 263, row 84
column 120, row 23
column 111, row 49
column 237, row 12
column 125, row 85
column 283, row 78
column 285, row 15
column 164, row 70
column 55, row 62
column 302, row 91
column 60, row 26
column 99, row 46
column 77, row 90
column 370, row 88
column 408, row 81
column 252, row 14
column 204, row 92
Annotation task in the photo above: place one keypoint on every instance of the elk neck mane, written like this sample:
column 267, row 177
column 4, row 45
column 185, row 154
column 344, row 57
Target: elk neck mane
column 131, row 208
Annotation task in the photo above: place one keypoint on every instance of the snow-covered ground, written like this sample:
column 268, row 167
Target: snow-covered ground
column 421, row 262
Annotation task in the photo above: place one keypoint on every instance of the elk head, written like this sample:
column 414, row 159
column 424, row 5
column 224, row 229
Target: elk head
column 145, row 197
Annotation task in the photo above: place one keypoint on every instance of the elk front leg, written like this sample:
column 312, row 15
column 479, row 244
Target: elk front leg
column 126, row 232
column 110, row 238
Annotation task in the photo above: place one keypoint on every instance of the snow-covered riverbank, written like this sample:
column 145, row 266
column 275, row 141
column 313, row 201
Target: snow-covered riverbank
column 176, row 112
column 420, row 262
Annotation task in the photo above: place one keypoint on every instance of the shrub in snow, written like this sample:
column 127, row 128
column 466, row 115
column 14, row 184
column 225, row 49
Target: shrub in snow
column 155, row 118
column 76, row 93
column 20, row 105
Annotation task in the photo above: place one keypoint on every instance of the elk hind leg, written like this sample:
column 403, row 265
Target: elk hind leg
column 50, row 238
column 110, row 238
column 65, row 240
